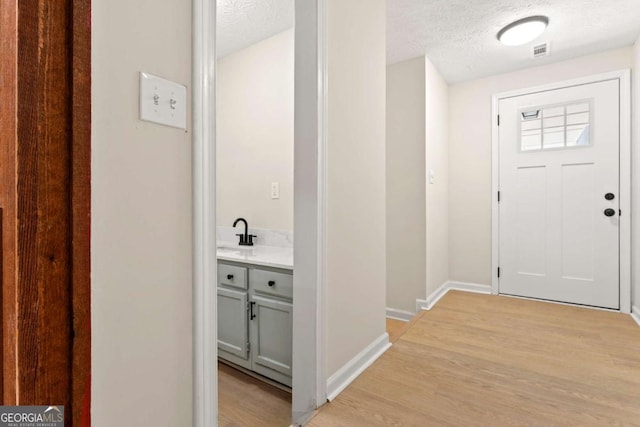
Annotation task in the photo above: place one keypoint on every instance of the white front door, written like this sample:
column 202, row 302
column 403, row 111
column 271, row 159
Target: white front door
column 559, row 194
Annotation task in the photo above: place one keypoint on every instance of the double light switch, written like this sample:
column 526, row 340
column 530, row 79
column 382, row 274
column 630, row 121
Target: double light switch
column 163, row 101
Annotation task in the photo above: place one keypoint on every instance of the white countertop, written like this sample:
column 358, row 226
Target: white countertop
column 268, row 256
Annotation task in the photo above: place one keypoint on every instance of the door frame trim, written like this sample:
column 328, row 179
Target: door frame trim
column 624, row 77
column 205, row 334
column 310, row 209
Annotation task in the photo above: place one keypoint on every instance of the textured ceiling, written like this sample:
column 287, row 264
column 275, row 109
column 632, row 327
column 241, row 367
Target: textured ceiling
column 241, row 23
column 459, row 36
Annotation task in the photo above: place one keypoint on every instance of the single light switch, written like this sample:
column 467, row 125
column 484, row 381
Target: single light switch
column 163, row 101
column 275, row 190
column 432, row 176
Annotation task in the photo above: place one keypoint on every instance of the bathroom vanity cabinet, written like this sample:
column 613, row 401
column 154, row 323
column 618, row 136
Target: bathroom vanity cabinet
column 255, row 313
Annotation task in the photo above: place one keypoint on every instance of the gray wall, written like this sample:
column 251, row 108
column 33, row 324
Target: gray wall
column 635, row 183
column 437, row 160
column 254, row 134
column 356, row 254
column 405, row 151
column 141, row 245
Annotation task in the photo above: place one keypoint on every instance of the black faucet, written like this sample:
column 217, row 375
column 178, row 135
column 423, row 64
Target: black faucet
column 246, row 239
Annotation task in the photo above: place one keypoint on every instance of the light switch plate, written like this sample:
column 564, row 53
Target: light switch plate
column 275, row 190
column 163, row 101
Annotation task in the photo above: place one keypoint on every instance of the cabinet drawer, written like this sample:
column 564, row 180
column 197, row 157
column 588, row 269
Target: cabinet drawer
column 230, row 275
column 271, row 283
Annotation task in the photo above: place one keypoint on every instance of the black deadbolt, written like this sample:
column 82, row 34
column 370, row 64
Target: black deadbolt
column 609, row 212
column 609, row 196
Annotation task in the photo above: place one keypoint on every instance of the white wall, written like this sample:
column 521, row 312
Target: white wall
column 254, row 145
column 437, row 194
column 470, row 155
column 405, row 169
column 356, row 273
column 141, row 245
column 635, row 183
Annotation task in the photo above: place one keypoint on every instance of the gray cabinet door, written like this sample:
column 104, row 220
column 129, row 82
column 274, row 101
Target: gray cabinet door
column 233, row 328
column 271, row 335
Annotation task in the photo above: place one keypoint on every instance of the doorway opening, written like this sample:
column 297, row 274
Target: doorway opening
column 255, row 208
column 308, row 379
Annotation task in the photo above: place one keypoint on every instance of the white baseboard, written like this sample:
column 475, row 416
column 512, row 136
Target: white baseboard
column 448, row 286
column 635, row 314
column 433, row 298
column 394, row 313
column 470, row 287
column 350, row 371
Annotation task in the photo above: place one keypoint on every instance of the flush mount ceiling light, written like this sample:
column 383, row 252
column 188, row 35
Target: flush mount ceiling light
column 523, row 31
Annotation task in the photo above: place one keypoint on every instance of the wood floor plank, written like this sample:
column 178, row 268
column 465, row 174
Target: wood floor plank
column 246, row 401
column 480, row 360
column 395, row 328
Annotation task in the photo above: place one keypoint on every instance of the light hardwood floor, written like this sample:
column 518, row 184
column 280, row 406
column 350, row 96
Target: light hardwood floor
column 244, row 401
column 481, row 360
column 395, row 328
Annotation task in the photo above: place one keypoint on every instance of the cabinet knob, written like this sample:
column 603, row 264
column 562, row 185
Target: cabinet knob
column 272, row 283
column 229, row 276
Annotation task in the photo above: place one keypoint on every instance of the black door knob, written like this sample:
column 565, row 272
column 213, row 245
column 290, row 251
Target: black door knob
column 609, row 212
column 609, row 196
column 229, row 276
